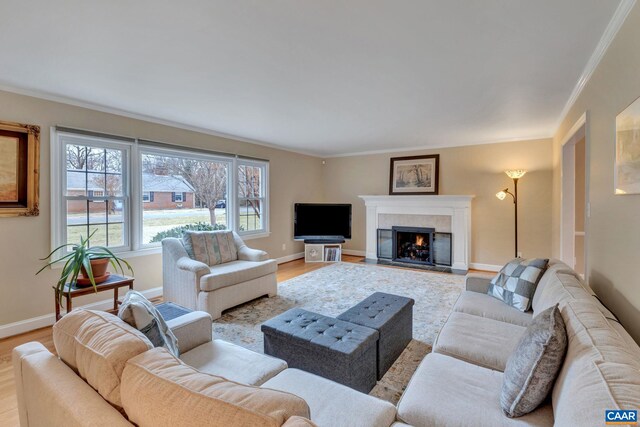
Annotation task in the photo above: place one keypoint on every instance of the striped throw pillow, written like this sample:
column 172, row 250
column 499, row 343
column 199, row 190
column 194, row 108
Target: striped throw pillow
column 210, row 247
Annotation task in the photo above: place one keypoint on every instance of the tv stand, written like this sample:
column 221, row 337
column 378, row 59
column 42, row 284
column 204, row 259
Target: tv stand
column 322, row 252
column 323, row 240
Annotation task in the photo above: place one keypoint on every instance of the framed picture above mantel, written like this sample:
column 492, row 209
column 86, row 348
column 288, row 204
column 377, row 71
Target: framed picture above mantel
column 414, row 175
column 19, row 169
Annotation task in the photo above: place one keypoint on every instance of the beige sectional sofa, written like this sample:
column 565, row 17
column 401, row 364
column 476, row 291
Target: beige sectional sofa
column 110, row 375
column 459, row 383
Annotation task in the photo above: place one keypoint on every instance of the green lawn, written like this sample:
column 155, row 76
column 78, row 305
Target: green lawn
column 99, row 239
column 159, row 221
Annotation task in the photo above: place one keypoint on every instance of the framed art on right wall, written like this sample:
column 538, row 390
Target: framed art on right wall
column 627, row 167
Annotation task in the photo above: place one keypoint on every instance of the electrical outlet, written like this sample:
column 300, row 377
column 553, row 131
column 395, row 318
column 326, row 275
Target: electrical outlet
column 519, row 254
column 284, row 246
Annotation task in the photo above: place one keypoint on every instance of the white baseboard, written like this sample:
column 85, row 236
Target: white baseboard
column 291, row 257
column 485, row 267
column 27, row 325
column 353, row 252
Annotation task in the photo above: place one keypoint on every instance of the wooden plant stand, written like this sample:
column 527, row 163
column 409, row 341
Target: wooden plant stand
column 114, row 282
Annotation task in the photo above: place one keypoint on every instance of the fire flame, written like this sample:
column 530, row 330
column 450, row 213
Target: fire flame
column 419, row 240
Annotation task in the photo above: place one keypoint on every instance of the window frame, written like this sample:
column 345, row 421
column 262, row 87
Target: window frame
column 143, row 149
column 264, row 199
column 132, row 194
column 59, row 198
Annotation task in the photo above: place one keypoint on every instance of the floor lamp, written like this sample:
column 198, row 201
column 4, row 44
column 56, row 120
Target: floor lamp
column 515, row 174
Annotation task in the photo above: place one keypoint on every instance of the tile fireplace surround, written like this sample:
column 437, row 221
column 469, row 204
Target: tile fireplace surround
column 444, row 213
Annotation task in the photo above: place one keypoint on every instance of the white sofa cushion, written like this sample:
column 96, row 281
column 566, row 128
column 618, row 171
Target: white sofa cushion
column 235, row 272
column 97, row 345
column 333, row 404
column 484, row 305
column 478, row 340
column 601, row 369
column 446, row 391
column 233, row 362
column 158, row 390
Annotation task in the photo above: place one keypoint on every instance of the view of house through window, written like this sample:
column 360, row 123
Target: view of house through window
column 250, row 197
column 94, row 195
column 182, row 193
column 131, row 196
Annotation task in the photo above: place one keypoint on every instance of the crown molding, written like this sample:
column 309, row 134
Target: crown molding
column 437, row 146
column 618, row 18
column 47, row 96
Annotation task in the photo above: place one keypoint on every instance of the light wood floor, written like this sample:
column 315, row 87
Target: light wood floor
column 8, row 402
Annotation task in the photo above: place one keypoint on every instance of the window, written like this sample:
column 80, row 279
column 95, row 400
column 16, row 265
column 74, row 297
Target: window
column 186, row 187
column 252, row 200
column 129, row 194
column 93, row 191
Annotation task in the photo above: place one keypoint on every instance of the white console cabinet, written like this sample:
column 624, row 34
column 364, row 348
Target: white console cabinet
column 326, row 252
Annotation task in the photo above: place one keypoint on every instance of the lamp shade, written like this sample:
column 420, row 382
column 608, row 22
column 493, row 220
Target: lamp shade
column 501, row 195
column 515, row 173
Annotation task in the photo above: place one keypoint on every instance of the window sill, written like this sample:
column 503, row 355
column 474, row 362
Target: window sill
column 125, row 255
column 251, row 236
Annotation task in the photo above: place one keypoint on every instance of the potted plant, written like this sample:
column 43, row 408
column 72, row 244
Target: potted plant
column 88, row 262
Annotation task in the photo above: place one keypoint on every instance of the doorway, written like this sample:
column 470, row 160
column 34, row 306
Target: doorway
column 575, row 200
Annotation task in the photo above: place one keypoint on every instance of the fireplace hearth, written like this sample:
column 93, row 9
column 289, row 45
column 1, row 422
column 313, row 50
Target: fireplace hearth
column 413, row 245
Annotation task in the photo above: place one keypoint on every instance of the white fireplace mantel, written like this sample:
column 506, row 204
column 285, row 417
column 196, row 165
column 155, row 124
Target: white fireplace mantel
column 456, row 207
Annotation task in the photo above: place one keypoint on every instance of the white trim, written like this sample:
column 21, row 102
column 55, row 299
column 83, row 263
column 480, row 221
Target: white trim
column 251, row 236
column 291, row 257
column 618, row 18
column 59, row 199
column 435, row 147
column 354, row 252
column 235, row 197
column 33, row 323
column 485, row 267
column 567, row 237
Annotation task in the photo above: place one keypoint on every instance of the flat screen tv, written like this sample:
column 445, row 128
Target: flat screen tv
column 313, row 221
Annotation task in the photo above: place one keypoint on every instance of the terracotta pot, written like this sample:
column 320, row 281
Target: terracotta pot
column 99, row 270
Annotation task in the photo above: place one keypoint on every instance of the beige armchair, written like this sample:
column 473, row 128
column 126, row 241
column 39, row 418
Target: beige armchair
column 198, row 286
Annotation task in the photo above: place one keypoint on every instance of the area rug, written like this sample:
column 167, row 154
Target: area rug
column 333, row 289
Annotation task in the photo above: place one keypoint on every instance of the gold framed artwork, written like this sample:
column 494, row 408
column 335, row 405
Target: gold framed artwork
column 19, row 169
column 414, row 175
column 627, row 168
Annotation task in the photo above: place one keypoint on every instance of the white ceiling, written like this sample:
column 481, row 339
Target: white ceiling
column 326, row 77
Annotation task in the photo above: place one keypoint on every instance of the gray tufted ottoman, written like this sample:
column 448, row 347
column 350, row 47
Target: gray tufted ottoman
column 337, row 350
column 392, row 316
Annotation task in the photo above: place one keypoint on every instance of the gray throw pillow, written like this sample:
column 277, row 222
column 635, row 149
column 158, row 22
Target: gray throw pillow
column 534, row 365
column 140, row 313
column 516, row 283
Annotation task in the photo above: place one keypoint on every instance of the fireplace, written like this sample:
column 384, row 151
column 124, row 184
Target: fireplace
column 413, row 245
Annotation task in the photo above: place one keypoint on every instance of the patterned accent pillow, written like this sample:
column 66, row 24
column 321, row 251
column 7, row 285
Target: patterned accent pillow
column 516, row 283
column 533, row 367
column 140, row 313
column 210, row 247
